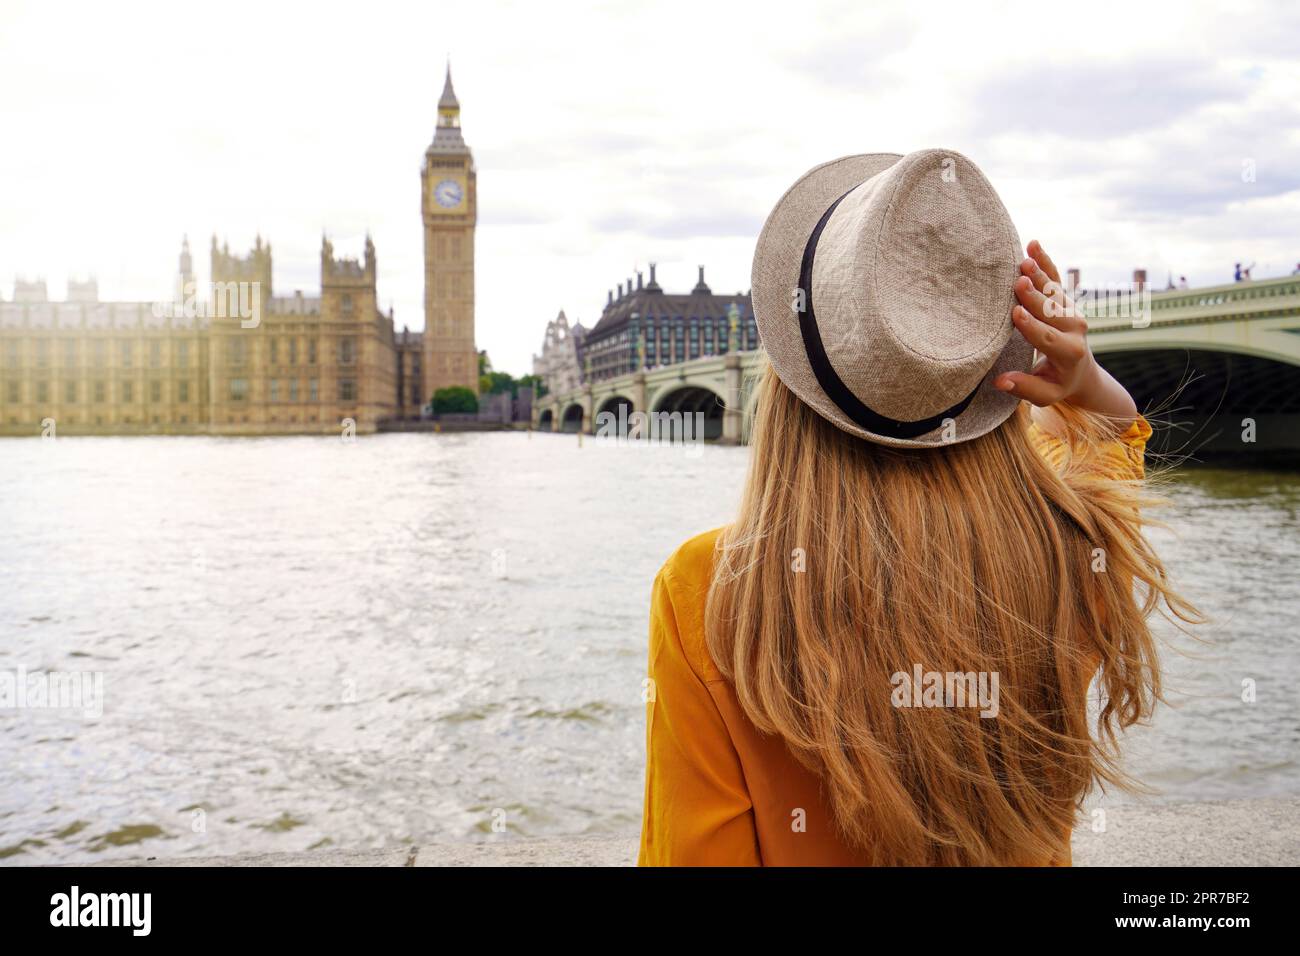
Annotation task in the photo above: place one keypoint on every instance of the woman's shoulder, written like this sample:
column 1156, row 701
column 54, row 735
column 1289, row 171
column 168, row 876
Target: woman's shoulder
column 1122, row 457
column 693, row 559
column 685, row 578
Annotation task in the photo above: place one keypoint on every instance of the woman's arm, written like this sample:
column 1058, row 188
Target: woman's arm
column 1066, row 370
column 697, row 809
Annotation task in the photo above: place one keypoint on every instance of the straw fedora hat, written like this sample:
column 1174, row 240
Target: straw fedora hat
column 883, row 289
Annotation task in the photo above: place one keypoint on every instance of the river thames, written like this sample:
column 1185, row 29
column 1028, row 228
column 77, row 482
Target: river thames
column 307, row 643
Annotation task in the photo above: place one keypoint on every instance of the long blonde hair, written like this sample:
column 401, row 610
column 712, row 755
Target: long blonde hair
column 852, row 562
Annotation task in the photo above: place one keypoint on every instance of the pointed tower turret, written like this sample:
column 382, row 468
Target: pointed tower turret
column 186, row 263
column 447, row 137
column 450, row 210
column 448, row 99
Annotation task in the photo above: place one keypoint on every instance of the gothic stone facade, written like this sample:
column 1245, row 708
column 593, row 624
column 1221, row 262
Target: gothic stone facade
column 308, row 364
column 560, row 364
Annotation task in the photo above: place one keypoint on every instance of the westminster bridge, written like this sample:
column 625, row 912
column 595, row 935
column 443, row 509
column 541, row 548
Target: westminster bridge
column 1199, row 360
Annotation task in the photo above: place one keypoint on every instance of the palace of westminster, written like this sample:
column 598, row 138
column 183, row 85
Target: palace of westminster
column 241, row 360
column 305, row 364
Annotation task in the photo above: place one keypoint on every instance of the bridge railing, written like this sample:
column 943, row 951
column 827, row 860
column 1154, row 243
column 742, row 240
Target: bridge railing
column 1229, row 302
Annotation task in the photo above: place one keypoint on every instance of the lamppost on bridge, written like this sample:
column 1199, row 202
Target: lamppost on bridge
column 639, row 334
column 587, row 410
column 731, row 410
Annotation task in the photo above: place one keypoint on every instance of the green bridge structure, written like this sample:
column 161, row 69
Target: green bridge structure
column 1216, row 369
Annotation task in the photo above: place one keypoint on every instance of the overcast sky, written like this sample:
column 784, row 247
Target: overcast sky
column 610, row 135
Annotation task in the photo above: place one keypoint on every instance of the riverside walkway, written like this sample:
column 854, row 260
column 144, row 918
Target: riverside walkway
column 1263, row 832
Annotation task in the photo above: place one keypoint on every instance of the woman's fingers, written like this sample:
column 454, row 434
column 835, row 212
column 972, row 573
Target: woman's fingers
column 1043, row 368
column 1048, row 303
column 1059, row 309
column 1029, row 297
column 1057, row 346
column 1039, row 255
column 1042, row 281
column 1049, row 322
column 1031, row 388
column 1048, row 308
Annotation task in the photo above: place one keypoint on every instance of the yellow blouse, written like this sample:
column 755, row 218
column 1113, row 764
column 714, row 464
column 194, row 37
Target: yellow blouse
column 717, row 792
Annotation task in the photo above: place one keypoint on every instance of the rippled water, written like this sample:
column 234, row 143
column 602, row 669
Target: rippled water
column 308, row 643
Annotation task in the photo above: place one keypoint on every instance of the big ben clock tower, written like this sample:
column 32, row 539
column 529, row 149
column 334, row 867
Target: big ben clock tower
column 449, row 203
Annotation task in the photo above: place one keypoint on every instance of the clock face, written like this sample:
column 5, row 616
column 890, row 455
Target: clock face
column 448, row 193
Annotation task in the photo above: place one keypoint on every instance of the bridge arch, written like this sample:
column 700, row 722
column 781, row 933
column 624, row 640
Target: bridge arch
column 1198, row 397
column 611, row 404
column 693, row 400
column 546, row 420
column 572, row 419
column 620, row 423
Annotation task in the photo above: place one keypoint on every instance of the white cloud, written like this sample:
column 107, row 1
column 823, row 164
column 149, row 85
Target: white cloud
column 609, row 135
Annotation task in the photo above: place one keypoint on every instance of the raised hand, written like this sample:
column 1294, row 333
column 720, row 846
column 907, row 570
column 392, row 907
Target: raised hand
column 1066, row 370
